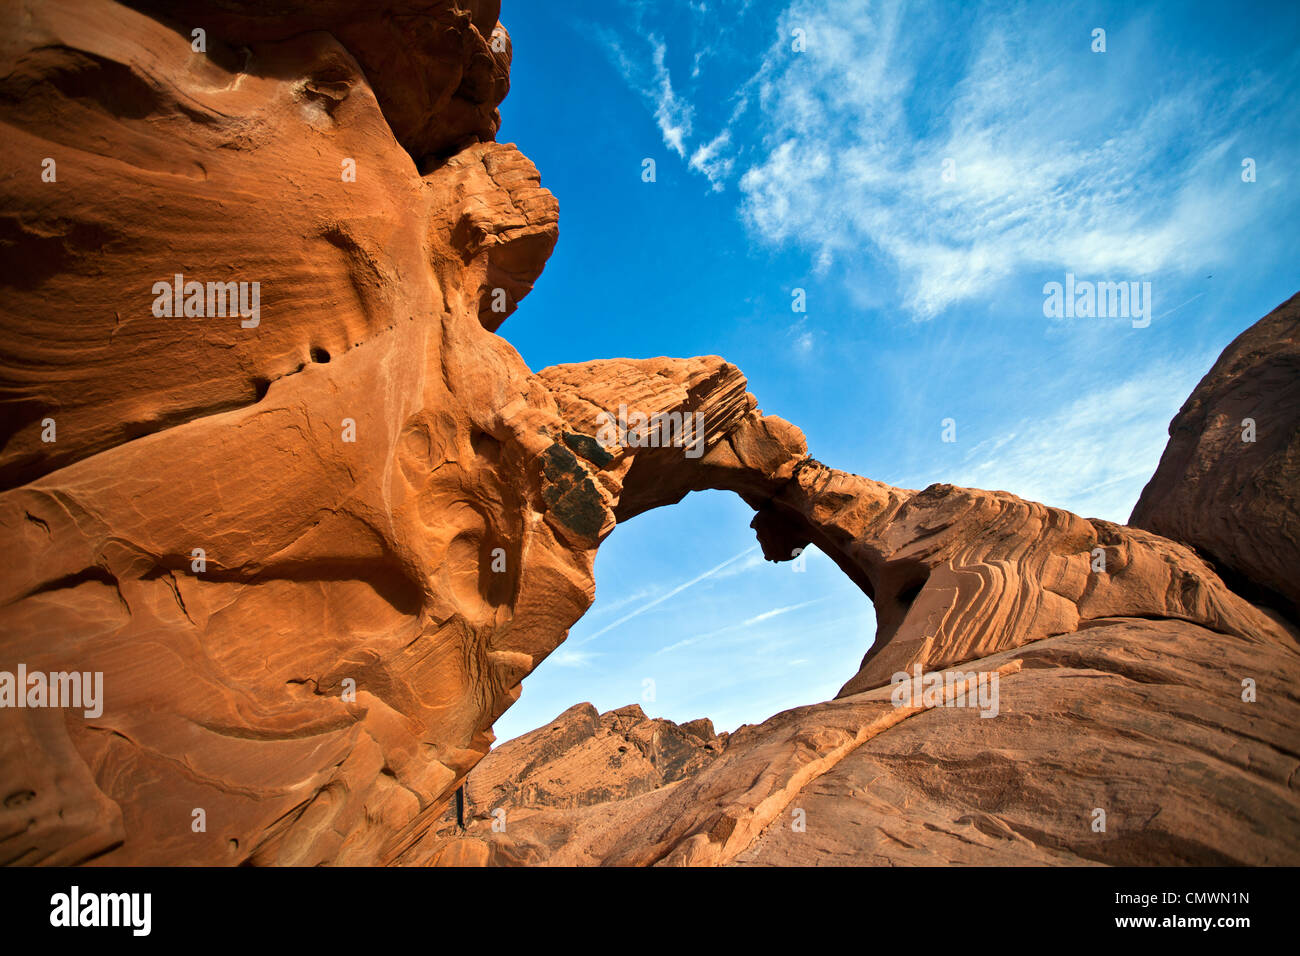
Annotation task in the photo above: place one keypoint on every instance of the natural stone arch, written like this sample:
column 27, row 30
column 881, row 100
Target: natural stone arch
column 955, row 574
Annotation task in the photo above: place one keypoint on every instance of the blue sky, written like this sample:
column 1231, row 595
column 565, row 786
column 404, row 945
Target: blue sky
column 823, row 169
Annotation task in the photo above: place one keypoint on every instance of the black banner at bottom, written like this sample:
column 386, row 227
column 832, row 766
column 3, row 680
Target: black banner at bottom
column 140, row 906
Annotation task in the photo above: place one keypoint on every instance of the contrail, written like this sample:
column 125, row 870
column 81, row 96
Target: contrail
column 659, row 600
column 1177, row 307
column 780, row 610
column 756, row 619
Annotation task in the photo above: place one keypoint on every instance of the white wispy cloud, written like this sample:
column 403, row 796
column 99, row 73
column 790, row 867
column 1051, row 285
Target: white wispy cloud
column 803, row 338
column 1049, row 166
column 753, row 559
column 778, row 611
column 1093, row 456
column 671, row 113
column 709, row 160
column 566, row 657
column 1059, row 159
column 1040, row 155
column 648, row 74
column 608, row 607
column 638, row 51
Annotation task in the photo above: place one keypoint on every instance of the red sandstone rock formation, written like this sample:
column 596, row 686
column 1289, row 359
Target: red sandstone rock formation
column 1141, row 719
column 537, row 788
column 1229, row 481
column 1122, row 661
column 314, row 547
column 240, row 523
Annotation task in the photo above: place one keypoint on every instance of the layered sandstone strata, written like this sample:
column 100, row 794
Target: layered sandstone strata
column 314, row 542
column 272, row 538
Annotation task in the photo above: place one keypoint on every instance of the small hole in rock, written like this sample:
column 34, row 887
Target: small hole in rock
column 319, row 355
column 18, row 798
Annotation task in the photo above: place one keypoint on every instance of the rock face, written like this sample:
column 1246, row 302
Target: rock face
column 438, row 69
column 305, row 522
column 1134, row 691
column 583, row 757
column 272, row 533
column 1229, row 481
column 1141, row 720
column 580, row 761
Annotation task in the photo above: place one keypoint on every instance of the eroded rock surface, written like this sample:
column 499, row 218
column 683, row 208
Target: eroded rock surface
column 1144, row 713
column 955, row 573
column 580, row 760
column 313, row 543
column 1141, row 720
column 271, row 533
column 1229, row 481
column 438, row 68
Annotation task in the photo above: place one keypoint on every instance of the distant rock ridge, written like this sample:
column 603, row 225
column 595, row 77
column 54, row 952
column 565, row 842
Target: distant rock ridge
column 313, row 557
column 581, row 759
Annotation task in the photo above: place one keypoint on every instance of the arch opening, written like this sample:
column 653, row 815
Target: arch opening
column 692, row 621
